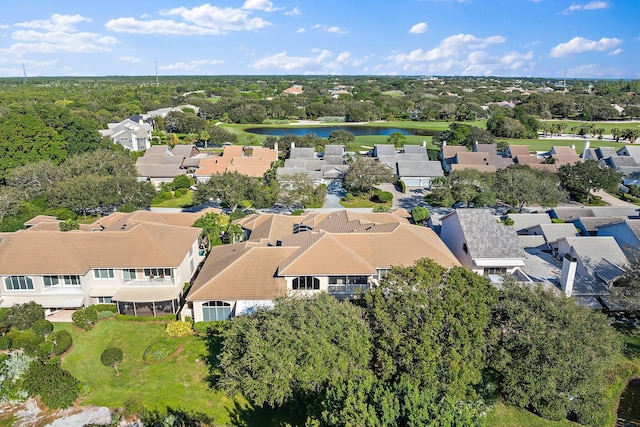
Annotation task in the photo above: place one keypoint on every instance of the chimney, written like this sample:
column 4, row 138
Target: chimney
column 293, row 145
column 475, row 145
column 444, row 143
column 424, row 144
column 275, row 146
column 586, row 147
column 568, row 277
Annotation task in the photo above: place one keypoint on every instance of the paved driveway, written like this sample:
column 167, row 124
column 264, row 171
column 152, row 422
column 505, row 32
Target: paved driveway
column 413, row 197
column 335, row 192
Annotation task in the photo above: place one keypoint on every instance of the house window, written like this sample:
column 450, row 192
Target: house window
column 18, row 283
column 71, row 280
column 129, row 273
column 306, row 283
column 105, row 300
column 157, row 272
column 465, row 248
column 381, row 273
column 50, row 281
column 495, row 270
column 103, row 273
column 216, row 310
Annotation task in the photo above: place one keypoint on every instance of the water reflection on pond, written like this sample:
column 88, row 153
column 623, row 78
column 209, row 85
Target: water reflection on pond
column 325, row 131
column 629, row 407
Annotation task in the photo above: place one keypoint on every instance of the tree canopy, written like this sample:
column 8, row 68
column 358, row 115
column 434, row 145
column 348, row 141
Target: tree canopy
column 581, row 178
column 364, row 173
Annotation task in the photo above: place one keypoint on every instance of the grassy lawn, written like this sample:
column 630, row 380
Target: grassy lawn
column 176, row 202
column 363, row 202
column 177, row 383
column 510, row 416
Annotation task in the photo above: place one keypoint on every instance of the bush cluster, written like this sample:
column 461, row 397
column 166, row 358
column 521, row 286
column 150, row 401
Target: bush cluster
column 56, row 387
column 85, row 317
column 382, row 197
column 178, row 328
column 159, row 351
column 42, row 327
column 26, row 340
column 402, row 185
column 23, row 316
column 111, row 356
column 214, row 326
column 62, row 341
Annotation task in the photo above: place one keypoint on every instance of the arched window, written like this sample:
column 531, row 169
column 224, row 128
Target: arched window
column 216, row 310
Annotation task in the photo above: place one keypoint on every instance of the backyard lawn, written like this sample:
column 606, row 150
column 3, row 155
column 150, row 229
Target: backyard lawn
column 183, row 201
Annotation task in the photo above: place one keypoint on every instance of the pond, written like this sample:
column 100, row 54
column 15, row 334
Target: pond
column 325, row 131
column 629, row 406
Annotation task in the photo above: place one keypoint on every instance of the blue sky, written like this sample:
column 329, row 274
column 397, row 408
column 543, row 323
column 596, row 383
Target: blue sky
column 542, row 38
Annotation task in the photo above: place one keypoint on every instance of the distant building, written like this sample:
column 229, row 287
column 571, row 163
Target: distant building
column 133, row 136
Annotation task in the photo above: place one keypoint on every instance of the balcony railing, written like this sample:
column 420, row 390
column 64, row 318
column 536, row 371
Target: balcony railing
column 347, row 289
column 150, row 281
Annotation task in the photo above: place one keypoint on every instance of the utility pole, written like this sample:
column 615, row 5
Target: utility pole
column 24, row 70
column 157, row 83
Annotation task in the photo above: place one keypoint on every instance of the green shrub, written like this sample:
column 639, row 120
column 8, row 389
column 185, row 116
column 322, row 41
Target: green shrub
column 167, row 195
column 62, row 341
column 24, row 316
column 179, row 192
column 27, row 340
column 402, row 185
column 85, row 317
column 133, row 407
column 380, row 209
column 42, row 327
column 382, row 197
column 111, row 356
column 508, row 221
column 557, row 221
column 214, row 326
column 181, row 182
column 127, row 318
column 5, row 343
column 420, row 214
column 56, row 387
column 297, row 212
column 159, row 351
column 44, row 350
column 178, row 328
column 105, row 314
column 348, row 197
column 105, row 307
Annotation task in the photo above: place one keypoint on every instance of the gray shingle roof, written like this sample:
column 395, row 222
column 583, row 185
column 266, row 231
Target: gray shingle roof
column 419, row 169
column 526, row 220
column 415, row 149
column 384, row 150
column 487, row 238
column 302, row 153
column 553, row 232
column 334, row 150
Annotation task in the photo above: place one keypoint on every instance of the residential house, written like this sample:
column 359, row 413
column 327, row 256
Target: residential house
column 133, row 136
column 250, row 161
column 627, row 235
column 161, row 164
column 411, row 164
column 138, row 261
column 590, row 264
column 340, row 253
column 321, row 169
column 482, row 243
column 293, row 90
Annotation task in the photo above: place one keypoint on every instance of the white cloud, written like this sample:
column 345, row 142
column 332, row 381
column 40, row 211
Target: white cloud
column 57, row 22
column 300, row 30
column 132, row 59
column 264, row 5
column 419, row 28
column 4, row 26
column 329, row 29
column 452, row 46
column 615, row 52
column 580, row 45
column 198, row 65
column 294, row 12
column 200, row 20
column 594, row 5
column 324, row 61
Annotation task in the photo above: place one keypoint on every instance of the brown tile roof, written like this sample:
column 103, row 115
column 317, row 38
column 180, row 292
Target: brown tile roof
column 526, row 159
column 472, row 158
column 233, row 160
column 518, row 150
column 75, row 252
column 265, row 153
column 452, row 150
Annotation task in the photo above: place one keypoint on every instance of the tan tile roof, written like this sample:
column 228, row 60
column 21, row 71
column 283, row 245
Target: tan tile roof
column 233, row 151
column 265, row 153
column 240, row 271
column 40, row 218
column 116, row 220
column 472, row 158
column 481, row 168
column 526, row 159
column 55, row 252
